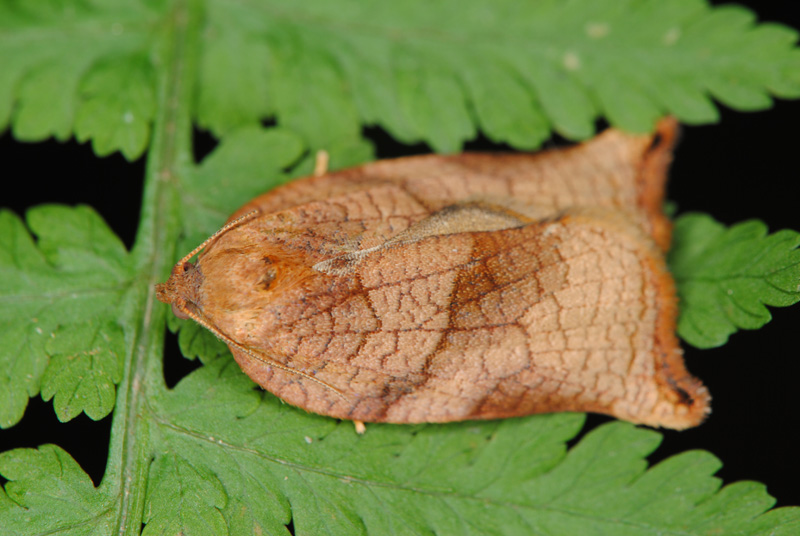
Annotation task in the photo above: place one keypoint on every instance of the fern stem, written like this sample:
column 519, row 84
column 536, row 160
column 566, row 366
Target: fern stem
column 170, row 154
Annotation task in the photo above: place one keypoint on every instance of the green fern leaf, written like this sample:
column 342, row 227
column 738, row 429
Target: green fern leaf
column 58, row 296
column 48, row 490
column 230, row 460
column 428, row 66
column 74, row 67
column 726, row 276
column 509, row 477
column 195, row 341
column 117, row 106
column 425, row 72
column 185, row 498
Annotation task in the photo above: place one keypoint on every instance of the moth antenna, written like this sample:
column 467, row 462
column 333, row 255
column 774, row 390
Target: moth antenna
column 225, row 228
column 321, row 163
column 200, row 319
column 290, row 370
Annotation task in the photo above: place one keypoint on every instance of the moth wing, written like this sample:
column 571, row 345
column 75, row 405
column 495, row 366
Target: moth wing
column 614, row 170
column 571, row 314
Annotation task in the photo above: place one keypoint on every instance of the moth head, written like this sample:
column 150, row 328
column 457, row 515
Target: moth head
column 181, row 289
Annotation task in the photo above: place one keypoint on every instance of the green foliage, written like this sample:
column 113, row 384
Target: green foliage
column 425, row 72
column 466, row 478
column 47, row 490
column 121, row 90
column 726, row 276
column 232, row 460
column 85, row 363
column 79, row 324
column 71, row 67
column 59, row 298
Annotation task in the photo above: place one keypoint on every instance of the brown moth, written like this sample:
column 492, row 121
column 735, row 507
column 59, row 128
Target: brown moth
column 444, row 288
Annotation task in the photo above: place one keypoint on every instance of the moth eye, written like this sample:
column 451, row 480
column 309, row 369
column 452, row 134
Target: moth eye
column 186, row 267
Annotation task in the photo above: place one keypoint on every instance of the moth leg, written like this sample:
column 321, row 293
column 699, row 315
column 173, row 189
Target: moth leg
column 321, row 163
column 361, row 428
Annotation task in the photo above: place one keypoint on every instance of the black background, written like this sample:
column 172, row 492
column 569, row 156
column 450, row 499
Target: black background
column 744, row 167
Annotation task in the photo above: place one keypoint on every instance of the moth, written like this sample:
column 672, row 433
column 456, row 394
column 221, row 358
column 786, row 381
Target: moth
column 447, row 288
